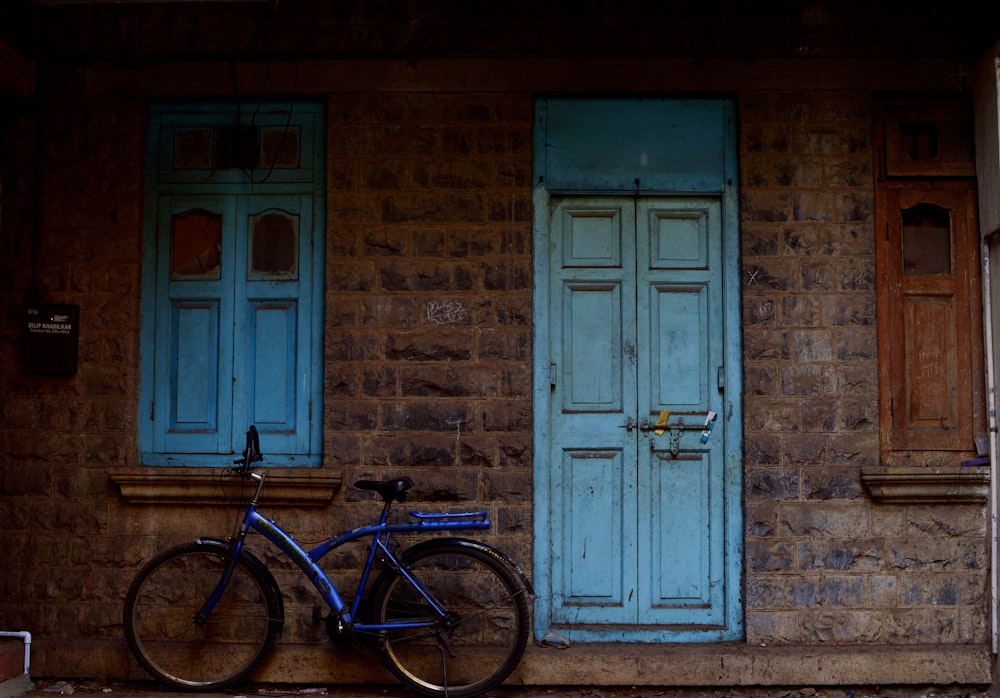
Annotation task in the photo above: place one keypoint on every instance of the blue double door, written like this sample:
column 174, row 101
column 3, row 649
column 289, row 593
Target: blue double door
column 638, row 530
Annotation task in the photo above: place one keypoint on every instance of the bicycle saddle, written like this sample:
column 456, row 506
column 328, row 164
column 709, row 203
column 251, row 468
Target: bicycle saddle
column 390, row 490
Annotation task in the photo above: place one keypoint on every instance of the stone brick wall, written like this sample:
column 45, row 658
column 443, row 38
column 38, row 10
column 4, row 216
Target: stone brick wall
column 824, row 564
column 428, row 345
column 429, row 280
column 69, row 544
column 428, row 364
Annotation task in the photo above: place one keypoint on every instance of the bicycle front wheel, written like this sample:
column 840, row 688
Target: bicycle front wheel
column 166, row 635
column 481, row 640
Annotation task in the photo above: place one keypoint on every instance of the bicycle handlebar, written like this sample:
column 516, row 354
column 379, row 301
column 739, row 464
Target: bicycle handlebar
column 251, row 453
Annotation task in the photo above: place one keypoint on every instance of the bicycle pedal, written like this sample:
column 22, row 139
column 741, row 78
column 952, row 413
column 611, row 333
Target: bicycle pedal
column 344, row 642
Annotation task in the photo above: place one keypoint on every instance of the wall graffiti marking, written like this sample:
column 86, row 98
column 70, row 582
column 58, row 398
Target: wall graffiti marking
column 446, row 312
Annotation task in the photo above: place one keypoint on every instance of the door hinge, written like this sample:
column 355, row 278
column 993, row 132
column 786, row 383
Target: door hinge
column 552, row 375
column 721, row 377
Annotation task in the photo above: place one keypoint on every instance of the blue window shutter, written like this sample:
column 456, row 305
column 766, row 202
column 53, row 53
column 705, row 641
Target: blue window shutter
column 194, row 334
column 277, row 344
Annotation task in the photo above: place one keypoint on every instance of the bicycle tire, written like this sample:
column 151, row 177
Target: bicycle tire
column 160, row 617
column 488, row 631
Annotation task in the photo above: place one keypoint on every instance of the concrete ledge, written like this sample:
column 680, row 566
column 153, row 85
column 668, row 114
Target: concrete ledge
column 679, row 665
column 927, row 486
column 601, row 665
column 740, row 665
column 198, row 486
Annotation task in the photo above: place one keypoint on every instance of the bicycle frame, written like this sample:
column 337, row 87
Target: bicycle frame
column 307, row 560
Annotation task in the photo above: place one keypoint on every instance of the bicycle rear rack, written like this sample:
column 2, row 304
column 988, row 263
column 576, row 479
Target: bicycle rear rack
column 470, row 516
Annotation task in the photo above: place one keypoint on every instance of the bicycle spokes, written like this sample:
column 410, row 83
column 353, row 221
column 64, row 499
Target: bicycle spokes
column 480, row 640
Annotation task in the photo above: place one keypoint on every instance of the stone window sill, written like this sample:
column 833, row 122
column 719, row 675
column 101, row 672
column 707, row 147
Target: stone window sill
column 894, row 485
column 292, row 487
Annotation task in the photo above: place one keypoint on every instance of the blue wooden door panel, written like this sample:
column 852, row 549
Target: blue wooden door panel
column 592, row 365
column 274, row 366
column 685, row 565
column 636, row 517
column 194, row 337
column 593, row 456
column 678, row 349
column 596, row 577
column 679, row 235
column 680, row 492
column 667, row 145
column 592, row 236
column 194, row 364
column 680, row 307
column 273, row 332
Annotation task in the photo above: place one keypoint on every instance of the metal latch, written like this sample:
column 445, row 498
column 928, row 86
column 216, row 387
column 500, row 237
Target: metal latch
column 676, row 429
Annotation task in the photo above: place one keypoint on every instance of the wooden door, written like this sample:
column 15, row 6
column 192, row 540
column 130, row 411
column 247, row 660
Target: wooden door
column 638, row 533
column 929, row 303
column 638, row 529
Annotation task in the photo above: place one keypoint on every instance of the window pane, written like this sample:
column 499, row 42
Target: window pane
column 193, row 149
column 236, row 148
column 195, row 245
column 280, row 148
column 919, row 142
column 275, row 247
column 926, row 241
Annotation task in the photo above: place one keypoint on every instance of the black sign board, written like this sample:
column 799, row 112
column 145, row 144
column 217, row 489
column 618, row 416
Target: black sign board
column 51, row 339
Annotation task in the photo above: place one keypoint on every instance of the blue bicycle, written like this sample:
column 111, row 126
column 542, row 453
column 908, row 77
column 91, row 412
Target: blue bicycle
column 449, row 616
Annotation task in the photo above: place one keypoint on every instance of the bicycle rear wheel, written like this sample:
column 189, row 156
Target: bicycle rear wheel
column 173, row 645
column 482, row 640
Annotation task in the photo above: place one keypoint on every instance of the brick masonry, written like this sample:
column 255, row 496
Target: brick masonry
column 428, row 364
column 823, row 564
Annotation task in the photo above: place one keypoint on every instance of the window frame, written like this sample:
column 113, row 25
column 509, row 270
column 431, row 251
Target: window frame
column 906, row 439
column 244, row 193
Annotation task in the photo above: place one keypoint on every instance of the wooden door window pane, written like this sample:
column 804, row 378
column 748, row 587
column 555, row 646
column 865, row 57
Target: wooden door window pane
column 919, row 142
column 195, row 246
column 926, row 239
column 274, row 249
column 928, row 141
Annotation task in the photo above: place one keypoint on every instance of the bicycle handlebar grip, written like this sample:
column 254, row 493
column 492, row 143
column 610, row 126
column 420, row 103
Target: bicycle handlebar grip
column 252, row 434
column 253, row 453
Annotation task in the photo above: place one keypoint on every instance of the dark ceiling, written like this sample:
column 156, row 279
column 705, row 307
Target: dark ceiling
column 137, row 30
